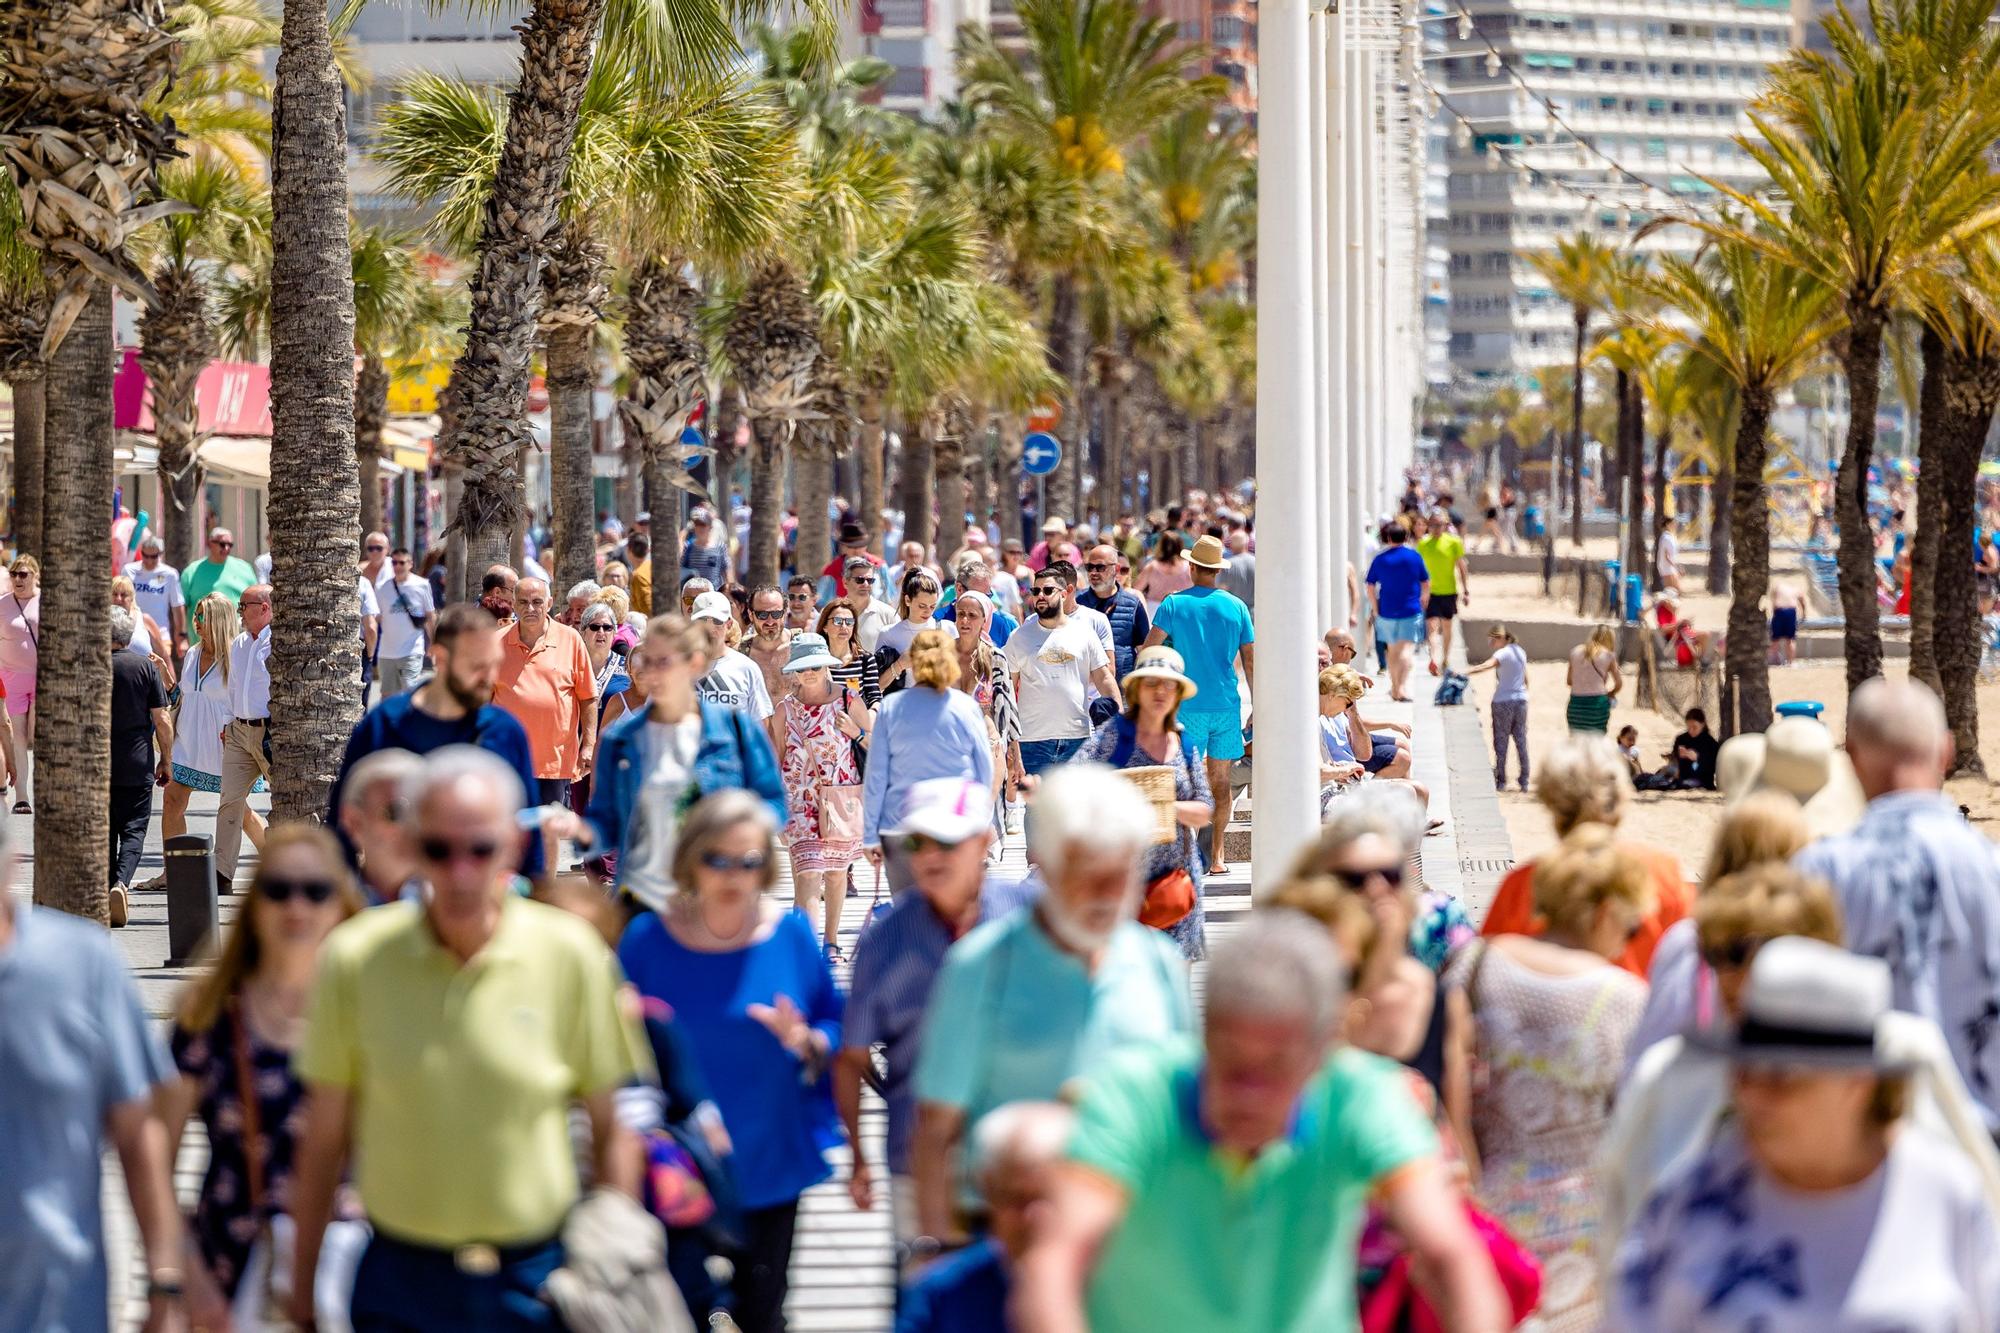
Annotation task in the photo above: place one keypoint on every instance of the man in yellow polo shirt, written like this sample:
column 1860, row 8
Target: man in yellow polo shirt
column 447, row 1042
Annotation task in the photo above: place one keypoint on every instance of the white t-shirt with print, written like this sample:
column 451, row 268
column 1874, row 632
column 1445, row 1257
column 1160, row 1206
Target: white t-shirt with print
column 403, row 621
column 646, row 867
column 1051, row 671
column 158, row 591
column 736, row 682
column 1721, row 1247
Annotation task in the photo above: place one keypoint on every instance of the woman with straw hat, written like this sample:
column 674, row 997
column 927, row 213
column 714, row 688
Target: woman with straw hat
column 1148, row 735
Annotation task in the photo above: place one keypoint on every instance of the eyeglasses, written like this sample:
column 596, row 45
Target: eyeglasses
column 312, row 890
column 443, row 851
column 246, row 604
column 1732, row 953
column 722, row 862
column 1360, row 879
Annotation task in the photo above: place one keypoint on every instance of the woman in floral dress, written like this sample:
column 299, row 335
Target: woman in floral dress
column 1551, row 1017
column 253, row 1002
column 818, row 725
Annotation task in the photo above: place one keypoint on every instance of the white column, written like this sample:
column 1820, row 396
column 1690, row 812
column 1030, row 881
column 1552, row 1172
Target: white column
column 1337, row 481
column 1354, row 362
column 1324, row 398
column 1379, row 449
column 1285, row 777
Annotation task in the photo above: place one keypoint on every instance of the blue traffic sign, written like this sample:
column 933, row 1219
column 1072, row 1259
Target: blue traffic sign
column 1040, row 453
column 691, row 438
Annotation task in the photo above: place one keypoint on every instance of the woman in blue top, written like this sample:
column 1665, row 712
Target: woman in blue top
column 756, row 999
column 931, row 730
column 652, row 765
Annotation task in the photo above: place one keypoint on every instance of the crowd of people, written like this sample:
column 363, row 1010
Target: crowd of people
column 527, row 1037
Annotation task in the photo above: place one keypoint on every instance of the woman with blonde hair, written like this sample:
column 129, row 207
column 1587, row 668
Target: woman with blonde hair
column 200, row 715
column 234, row 1033
column 931, row 730
column 1584, row 781
column 1550, row 1019
column 1593, row 681
column 983, row 674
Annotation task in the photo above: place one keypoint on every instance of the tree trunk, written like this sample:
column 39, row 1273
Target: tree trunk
column 1749, row 654
column 1635, row 478
column 371, row 409
column 1925, row 542
column 1110, row 486
column 1973, row 389
column 178, row 343
column 812, row 481
column 1663, row 447
column 316, row 630
column 872, row 449
column 572, row 376
column 1064, row 493
column 950, row 458
column 489, row 384
column 73, row 701
column 767, row 501
column 1576, row 430
column 919, row 480
column 30, row 399
column 1722, row 496
column 1861, row 633
column 1614, row 470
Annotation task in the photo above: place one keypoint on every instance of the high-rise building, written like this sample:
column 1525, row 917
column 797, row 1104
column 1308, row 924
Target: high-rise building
column 1586, row 118
column 919, row 39
column 1229, row 29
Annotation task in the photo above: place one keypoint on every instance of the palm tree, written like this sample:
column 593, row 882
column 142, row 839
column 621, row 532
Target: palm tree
column 1961, row 388
column 1875, row 177
column 84, row 156
column 1758, row 322
column 23, row 311
column 1669, row 389
column 1100, row 77
column 1577, row 272
column 704, row 170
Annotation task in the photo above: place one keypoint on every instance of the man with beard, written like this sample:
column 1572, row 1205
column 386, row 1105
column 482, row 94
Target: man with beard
column 454, row 707
column 1027, row 1003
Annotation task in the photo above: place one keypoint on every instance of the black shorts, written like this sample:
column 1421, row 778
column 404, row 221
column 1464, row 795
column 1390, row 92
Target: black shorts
column 1442, row 606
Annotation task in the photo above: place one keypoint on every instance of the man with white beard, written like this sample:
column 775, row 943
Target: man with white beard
column 1028, row 1003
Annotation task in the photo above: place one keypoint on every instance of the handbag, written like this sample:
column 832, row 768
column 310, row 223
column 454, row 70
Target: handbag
column 1397, row 1306
column 264, row 1291
column 840, row 811
column 1168, row 900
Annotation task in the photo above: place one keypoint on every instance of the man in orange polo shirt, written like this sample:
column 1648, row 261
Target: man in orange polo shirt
column 547, row 685
column 1583, row 781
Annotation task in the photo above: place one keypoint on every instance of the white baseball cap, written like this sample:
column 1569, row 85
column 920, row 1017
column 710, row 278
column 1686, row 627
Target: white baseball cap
column 713, row 606
column 947, row 809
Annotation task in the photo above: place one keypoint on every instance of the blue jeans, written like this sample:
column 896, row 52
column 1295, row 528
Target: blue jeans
column 1038, row 755
column 404, row 1288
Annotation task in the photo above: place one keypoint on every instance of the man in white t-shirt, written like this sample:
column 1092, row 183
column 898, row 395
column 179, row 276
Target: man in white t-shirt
column 1668, row 555
column 1055, row 661
column 157, row 586
column 407, row 621
column 733, row 680
column 1099, row 623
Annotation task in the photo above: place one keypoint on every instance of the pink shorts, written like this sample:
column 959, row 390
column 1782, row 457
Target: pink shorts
column 20, row 686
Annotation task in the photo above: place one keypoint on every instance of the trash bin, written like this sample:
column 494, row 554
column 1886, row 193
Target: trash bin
column 1811, row 708
column 1635, row 596
column 1611, row 589
column 1531, row 523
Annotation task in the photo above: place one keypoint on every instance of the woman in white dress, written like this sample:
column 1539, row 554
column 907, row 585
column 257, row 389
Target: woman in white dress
column 202, row 713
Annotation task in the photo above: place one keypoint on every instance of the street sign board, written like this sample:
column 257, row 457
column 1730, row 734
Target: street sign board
column 691, row 438
column 1040, row 453
column 1045, row 416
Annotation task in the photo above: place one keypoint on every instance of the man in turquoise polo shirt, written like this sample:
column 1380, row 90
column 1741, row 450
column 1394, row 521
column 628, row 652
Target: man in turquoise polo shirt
column 1219, row 1188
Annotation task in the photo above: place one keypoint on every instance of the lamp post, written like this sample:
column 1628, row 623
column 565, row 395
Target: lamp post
column 1285, row 772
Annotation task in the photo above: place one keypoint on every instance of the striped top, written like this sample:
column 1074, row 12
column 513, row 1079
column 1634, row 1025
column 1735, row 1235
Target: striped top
column 861, row 672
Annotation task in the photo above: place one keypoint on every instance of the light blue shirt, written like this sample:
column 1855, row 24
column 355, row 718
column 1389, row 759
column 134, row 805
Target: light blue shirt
column 74, row 1043
column 1208, row 628
column 920, row 733
column 1920, row 888
column 1013, row 1017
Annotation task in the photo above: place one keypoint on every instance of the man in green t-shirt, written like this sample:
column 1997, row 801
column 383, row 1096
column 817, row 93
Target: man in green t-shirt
column 219, row 572
column 1443, row 551
column 1220, row 1187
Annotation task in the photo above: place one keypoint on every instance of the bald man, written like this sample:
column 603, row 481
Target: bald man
column 1918, row 886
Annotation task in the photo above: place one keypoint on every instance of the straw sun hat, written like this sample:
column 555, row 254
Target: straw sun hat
column 1159, row 663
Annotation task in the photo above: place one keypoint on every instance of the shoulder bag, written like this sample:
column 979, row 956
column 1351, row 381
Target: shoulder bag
column 840, row 814
column 263, row 1293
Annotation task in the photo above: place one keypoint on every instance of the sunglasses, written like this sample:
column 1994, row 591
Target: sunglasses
column 768, row 615
column 1049, row 592
column 839, row 624
column 247, row 605
column 22, row 574
column 377, row 550
column 1096, row 564
column 860, row 578
column 443, row 851
column 224, row 545
column 1359, row 879
column 600, row 627
column 749, row 863
column 282, row 890
column 1732, row 953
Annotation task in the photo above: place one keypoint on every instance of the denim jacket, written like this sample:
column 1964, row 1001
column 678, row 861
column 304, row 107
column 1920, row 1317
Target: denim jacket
column 734, row 753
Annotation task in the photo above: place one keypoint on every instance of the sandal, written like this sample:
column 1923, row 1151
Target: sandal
column 23, row 808
column 834, row 956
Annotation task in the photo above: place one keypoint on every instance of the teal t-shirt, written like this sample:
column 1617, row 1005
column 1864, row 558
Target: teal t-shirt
column 1209, row 1245
column 230, row 578
column 1014, row 1018
column 1208, row 628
